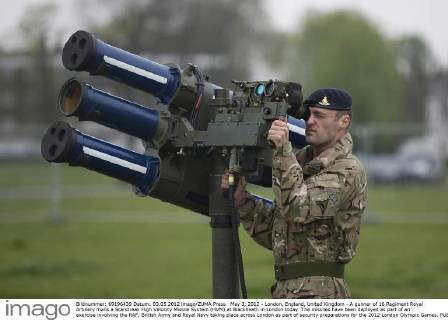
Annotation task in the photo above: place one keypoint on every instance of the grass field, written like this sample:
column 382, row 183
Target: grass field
column 91, row 237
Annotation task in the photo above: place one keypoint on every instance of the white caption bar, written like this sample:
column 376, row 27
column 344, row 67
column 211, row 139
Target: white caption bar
column 370, row 309
column 296, row 129
column 114, row 160
column 131, row 68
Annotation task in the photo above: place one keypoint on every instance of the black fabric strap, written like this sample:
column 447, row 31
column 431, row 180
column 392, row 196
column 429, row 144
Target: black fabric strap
column 239, row 257
column 309, row 269
column 220, row 221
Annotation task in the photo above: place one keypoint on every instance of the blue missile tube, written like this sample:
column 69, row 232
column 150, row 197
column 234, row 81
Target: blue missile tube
column 62, row 143
column 297, row 132
column 83, row 52
column 89, row 104
column 266, row 202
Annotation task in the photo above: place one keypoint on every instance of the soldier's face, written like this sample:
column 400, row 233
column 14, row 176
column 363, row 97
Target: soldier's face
column 322, row 127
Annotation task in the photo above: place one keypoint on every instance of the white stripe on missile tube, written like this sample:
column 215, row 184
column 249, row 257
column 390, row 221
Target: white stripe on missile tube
column 296, row 129
column 134, row 69
column 114, row 160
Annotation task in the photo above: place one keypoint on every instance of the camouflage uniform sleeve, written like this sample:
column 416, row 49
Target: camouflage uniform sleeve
column 352, row 206
column 287, row 180
column 257, row 216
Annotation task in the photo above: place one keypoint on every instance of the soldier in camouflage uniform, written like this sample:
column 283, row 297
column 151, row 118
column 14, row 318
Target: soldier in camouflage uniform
column 320, row 194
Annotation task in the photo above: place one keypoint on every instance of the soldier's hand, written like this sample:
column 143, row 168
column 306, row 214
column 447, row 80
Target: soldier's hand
column 279, row 132
column 240, row 191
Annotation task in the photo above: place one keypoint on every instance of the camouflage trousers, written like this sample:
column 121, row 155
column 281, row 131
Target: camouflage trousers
column 311, row 288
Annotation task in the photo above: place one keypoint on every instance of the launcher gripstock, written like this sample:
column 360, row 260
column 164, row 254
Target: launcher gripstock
column 200, row 130
column 201, row 119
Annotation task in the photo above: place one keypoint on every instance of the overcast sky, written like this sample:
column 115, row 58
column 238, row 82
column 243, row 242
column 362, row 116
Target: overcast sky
column 394, row 17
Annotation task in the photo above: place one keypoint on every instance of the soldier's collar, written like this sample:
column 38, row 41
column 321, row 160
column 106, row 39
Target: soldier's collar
column 311, row 166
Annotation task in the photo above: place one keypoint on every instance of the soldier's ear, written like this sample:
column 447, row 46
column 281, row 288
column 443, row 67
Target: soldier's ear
column 344, row 121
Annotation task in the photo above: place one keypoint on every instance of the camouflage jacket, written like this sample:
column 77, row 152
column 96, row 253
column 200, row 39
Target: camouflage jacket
column 317, row 209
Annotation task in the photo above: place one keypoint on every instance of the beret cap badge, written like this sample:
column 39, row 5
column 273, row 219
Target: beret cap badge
column 324, row 102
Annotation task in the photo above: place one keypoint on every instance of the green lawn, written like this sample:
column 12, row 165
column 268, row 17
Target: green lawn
column 99, row 240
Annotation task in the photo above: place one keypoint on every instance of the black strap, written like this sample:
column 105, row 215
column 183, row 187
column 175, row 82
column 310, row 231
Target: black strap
column 220, row 221
column 239, row 258
column 309, row 269
column 200, row 90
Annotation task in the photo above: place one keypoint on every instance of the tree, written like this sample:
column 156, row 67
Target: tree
column 415, row 64
column 39, row 85
column 343, row 49
column 218, row 35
